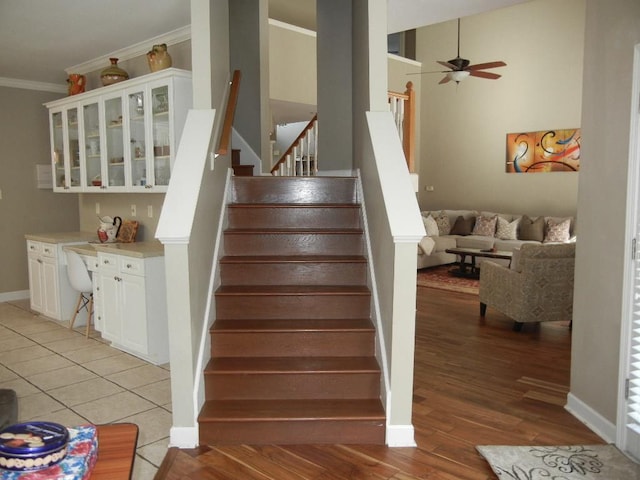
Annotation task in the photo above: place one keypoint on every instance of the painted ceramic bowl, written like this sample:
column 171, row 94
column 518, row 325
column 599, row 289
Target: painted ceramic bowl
column 32, row 445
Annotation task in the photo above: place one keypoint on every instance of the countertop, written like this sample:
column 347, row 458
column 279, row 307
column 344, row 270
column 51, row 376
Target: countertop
column 86, row 243
column 135, row 249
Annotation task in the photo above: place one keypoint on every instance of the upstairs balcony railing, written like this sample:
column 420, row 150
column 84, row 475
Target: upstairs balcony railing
column 301, row 158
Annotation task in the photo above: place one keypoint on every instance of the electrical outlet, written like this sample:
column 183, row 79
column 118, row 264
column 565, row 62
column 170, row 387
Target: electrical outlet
column 429, row 188
column 150, row 211
column 97, row 208
column 133, row 210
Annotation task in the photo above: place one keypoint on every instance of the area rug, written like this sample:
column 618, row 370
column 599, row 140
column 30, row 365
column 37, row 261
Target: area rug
column 440, row 278
column 583, row 462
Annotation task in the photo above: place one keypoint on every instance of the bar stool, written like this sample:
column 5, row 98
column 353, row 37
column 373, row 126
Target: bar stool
column 80, row 280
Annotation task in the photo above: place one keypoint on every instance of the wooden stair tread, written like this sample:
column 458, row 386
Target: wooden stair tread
column 290, row 365
column 291, row 410
column 296, row 231
column 293, row 205
column 292, row 325
column 293, row 290
column 293, row 259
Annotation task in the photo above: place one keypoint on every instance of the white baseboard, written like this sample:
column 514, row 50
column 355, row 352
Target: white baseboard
column 183, row 437
column 11, row 296
column 400, row 436
column 592, row 419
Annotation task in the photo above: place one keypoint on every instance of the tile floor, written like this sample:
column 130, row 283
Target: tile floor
column 61, row 376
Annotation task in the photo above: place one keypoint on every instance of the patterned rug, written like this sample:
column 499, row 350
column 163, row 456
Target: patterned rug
column 583, row 462
column 439, row 277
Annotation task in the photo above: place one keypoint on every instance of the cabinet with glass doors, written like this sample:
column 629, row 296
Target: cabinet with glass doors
column 120, row 138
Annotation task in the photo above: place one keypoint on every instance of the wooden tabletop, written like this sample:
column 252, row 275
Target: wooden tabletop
column 116, row 451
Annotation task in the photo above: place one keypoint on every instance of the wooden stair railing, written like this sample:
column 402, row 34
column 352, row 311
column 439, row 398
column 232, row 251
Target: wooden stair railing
column 225, row 137
column 300, row 159
column 403, row 108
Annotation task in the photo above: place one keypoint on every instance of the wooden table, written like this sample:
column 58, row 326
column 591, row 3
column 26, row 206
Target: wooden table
column 471, row 270
column 116, row 451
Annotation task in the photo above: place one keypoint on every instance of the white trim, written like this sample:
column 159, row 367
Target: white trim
column 31, row 85
column 400, row 436
column 11, row 296
column 592, row 419
column 183, row 437
column 408, row 61
column 178, row 35
column 293, row 28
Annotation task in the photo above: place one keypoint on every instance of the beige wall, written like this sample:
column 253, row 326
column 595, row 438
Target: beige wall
column 612, row 30
column 24, row 143
column 463, row 127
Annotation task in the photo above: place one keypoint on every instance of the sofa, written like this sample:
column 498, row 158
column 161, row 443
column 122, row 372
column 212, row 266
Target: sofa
column 539, row 289
column 485, row 230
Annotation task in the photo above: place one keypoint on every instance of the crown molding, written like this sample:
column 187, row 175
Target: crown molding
column 31, row 85
column 170, row 38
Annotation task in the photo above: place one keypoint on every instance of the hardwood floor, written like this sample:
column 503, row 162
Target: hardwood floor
column 476, row 383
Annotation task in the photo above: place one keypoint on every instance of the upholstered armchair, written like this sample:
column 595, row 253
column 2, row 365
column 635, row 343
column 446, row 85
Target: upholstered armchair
column 537, row 288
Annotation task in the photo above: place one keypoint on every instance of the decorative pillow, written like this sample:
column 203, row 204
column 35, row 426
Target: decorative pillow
column 532, row 229
column 506, row 230
column 431, row 226
column 463, row 226
column 557, row 231
column 485, row 226
column 426, row 245
column 444, row 226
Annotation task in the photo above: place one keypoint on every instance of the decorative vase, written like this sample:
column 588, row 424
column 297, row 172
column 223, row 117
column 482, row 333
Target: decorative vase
column 76, row 83
column 159, row 58
column 113, row 73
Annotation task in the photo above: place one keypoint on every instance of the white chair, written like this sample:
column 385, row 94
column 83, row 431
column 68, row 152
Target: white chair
column 80, row 280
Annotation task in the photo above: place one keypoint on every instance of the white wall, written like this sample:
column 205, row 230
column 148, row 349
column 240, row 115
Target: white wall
column 464, row 127
column 612, row 31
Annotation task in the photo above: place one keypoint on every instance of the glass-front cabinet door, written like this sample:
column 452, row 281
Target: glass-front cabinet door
column 138, row 151
column 58, row 149
column 74, row 149
column 162, row 138
column 93, row 152
column 114, row 174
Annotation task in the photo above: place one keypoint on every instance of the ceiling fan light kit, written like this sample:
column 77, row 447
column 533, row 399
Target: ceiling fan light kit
column 461, row 68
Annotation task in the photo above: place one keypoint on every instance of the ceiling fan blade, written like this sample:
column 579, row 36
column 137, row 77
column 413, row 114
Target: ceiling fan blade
column 483, row 66
column 447, row 64
column 489, row 75
column 444, row 80
column 432, row 71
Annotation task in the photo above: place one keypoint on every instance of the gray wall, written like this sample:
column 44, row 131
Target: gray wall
column 335, row 85
column 248, row 30
column 463, row 128
column 612, row 30
column 24, row 143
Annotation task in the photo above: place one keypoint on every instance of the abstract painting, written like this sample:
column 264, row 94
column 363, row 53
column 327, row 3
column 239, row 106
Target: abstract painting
column 544, row 151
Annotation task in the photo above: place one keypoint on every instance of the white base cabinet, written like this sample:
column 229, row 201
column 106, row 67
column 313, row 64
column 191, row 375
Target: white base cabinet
column 132, row 305
column 49, row 289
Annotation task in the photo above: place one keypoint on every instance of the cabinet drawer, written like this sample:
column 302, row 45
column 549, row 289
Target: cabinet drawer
column 49, row 250
column 107, row 261
column 34, row 247
column 92, row 264
column 133, row 266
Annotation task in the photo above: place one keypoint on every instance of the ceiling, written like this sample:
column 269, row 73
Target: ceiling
column 41, row 38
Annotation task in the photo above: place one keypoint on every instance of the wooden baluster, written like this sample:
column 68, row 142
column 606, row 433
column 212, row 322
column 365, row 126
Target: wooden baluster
column 409, row 127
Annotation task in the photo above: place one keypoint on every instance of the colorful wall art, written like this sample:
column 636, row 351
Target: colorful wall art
column 544, row 151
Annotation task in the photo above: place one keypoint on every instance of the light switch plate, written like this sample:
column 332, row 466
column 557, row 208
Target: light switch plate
column 150, row 211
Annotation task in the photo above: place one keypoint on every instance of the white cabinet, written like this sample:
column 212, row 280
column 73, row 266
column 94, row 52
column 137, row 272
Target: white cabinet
column 120, row 138
column 49, row 288
column 132, row 305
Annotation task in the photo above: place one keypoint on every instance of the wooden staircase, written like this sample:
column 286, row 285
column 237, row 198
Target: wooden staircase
column 293, row 347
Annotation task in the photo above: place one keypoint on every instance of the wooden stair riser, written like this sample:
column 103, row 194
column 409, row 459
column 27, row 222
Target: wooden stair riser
column 282, row 344
column 289, row 216
column 301, row 190
column 292, row 386
column 292, row 432
column 295, row 273
column 299, row 243
column 238, row 307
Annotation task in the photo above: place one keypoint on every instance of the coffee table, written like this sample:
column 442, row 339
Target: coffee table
column 471, row 270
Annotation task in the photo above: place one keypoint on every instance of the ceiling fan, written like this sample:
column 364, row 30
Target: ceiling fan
column 460, row 68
